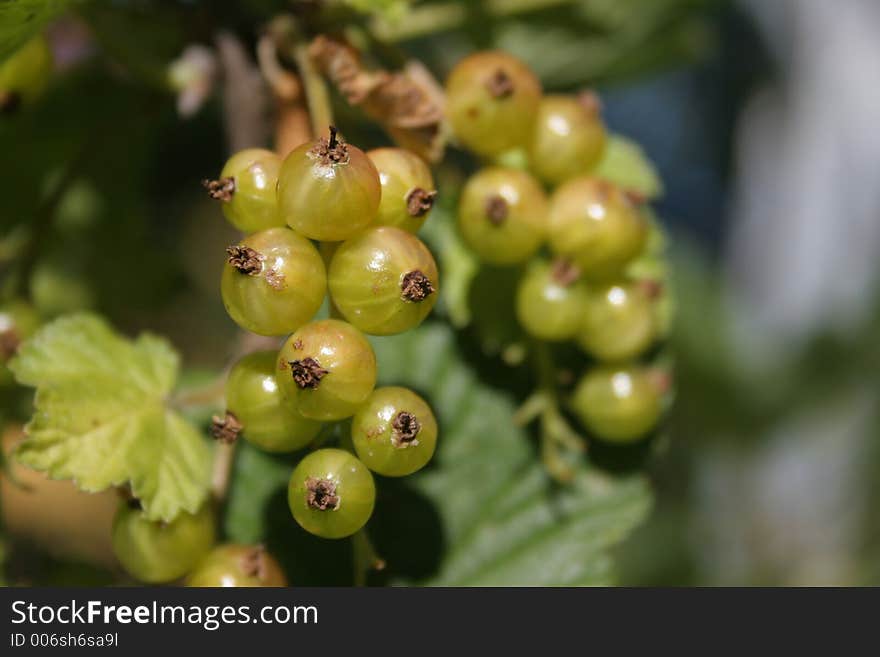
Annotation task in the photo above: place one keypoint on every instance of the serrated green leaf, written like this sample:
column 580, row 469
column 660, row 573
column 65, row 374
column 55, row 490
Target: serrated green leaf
column 505, row 523
column 626, row 164
column 21, row 19
column 102, row 419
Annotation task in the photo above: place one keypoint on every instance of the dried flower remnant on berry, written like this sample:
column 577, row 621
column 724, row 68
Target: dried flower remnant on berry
column 415, row 286
column 565, row 272
column 245, row 259
column 590, row 101
column 322, row 494
column 500, row 84
column 253, row 562
column 419, row 201
column 651, row 288
column 220, row 190
column 331, row 151
column 496, row 210
column 307, row 373
column 404, row 429
column 227, row 428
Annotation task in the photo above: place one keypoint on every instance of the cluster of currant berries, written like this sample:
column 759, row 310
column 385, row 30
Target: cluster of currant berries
column 585, row 287
column 364, row 210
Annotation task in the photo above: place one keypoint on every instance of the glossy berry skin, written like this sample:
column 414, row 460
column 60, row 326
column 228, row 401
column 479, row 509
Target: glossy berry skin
column 618, row 404
column 234, row 565
column 491, row 102
column 331, row 493
column 326, row 370
column 620, row 322
column 596, row 225
column 253, row 205
column 273, row 282
column 550, row 303
column 384, row 280
column 502, row 215
column 24, row 75
column 328, row 190
column 569, row 138
column 254, row 397
column 408, row 190
column 157, row 552
column 394, row 432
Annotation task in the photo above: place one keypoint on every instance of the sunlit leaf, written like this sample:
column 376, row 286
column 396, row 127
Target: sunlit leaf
column 102, row 417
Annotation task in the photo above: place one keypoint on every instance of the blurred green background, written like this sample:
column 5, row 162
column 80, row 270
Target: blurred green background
column 761, row 121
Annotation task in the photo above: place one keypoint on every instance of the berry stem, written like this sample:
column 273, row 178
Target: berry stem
column 365, row 557
column 556, row 433
column 317, row 95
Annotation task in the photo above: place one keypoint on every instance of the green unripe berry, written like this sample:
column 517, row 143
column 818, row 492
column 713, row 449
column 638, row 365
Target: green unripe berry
column 394, row 432
column 619, row 404
column 247, row 190
column 331, row 493
column 237, row 565
column 273, row 282
column 328, row 190
column 596, row 225
column 326, row 370
column 408, row 191
column 491, row 102
column 620, row 321
column 258, row 409
column 157, row 552
column 569, row 137
column 383, row 280
column 502, row 215
column 551, row 300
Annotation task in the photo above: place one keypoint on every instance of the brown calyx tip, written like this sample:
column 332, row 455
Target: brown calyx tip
column 564, row 272
column 497, row 210
column 500, row 84
column 650, row 287
column 331, row 151
column 661, row 378
column 9, row 342
column 634, row 197
column 307, row 373
column 419, row 201
column 227, row 428
column 590, row 101
column 321, row 494
column 245, row 259
column 415, row 286
column 253, row 562
column 405, row 428
column 221, row 189
column 10, row 101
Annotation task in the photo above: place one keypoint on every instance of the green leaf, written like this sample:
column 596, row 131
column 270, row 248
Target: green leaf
column 102, row 418
column 391, row 9
column 503, row 520
column 21, row 19
column 627, row 165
